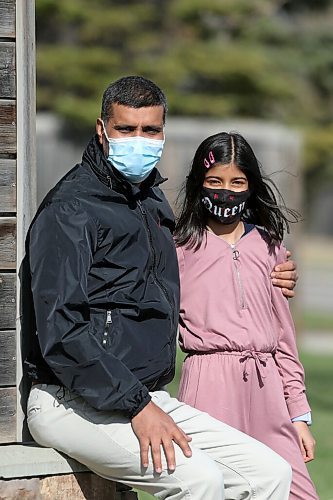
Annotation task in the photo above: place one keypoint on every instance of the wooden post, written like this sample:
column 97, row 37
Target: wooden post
column 26, row 165
column 8, row 214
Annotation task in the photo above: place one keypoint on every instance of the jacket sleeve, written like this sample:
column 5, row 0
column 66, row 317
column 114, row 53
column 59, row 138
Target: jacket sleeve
column 62, row 243
column 286, row 357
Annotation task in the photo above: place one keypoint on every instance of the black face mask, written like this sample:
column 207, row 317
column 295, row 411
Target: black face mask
column 223, row 205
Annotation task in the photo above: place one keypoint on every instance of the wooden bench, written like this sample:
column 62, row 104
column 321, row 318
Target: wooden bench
column 31, row 472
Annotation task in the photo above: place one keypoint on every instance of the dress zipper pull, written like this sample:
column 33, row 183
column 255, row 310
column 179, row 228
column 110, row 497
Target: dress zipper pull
column 235, row 255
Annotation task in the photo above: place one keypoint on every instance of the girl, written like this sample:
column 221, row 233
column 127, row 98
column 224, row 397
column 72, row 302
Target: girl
column 242, row 365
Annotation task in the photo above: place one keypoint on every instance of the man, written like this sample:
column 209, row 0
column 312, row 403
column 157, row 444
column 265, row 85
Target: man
column 104, row 280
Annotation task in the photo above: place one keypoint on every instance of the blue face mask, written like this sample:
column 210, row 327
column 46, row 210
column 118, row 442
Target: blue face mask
column 134, row 157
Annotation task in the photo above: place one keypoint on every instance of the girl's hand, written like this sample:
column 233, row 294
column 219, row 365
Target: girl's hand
column 285, row 277
column 306, row 441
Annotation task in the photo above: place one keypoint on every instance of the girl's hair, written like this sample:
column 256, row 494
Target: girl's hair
column 262, row 208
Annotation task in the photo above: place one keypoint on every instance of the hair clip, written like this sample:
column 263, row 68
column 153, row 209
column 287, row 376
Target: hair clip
column 211, row 160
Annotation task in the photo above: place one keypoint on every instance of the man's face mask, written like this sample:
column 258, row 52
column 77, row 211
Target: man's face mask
column 134, row 157
column 223, row 205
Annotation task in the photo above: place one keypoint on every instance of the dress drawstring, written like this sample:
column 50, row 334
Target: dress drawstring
column 260, row 360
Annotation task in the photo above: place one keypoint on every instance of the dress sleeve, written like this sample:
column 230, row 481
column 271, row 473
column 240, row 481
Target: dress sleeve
column 286, row 356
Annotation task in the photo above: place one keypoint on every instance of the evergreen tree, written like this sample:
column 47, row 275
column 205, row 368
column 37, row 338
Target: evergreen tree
column 270, row 59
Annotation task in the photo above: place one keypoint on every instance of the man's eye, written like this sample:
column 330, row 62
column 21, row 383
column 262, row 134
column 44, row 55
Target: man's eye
column 152, row 131
column 124, row 130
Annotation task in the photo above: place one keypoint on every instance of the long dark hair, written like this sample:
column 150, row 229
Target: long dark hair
column 264, row 208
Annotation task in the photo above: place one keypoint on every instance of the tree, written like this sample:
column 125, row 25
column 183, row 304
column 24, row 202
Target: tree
column 271, row 59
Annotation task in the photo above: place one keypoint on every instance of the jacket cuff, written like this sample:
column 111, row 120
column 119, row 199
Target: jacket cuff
column 298, row 406
column 140, row 407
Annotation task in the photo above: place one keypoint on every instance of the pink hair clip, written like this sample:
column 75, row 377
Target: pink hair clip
column 211, row 160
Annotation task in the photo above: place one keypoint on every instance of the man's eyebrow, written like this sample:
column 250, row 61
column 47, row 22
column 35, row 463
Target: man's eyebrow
column 153, row 127
column 119, row 126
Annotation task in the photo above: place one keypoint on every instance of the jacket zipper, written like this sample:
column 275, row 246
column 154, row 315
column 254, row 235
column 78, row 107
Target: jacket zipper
column 106, row 328
column 235, row 257
column 157, row 281
column 153, row 267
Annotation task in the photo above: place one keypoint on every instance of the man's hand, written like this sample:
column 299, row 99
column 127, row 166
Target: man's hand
column 285, row 277
column 154, row 428
column 306, row 441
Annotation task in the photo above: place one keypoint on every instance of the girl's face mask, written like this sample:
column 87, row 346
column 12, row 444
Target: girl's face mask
column 223, row 205
column 134, row 157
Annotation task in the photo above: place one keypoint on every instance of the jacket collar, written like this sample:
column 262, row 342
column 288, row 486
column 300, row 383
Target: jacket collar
column 94, row 157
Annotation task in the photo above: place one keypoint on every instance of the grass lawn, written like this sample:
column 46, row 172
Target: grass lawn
column 312, row 320
column 319, row 377
column 319, row 381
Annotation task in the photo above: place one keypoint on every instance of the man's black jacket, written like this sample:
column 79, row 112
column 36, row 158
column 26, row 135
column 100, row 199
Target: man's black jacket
column 105, row 286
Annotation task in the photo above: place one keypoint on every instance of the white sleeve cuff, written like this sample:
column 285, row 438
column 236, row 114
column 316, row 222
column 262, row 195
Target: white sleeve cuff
column 303, row 418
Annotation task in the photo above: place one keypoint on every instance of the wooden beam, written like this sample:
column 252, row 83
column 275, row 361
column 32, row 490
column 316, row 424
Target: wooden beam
column 7, row 70
column 7, row 18
column 7, row 127
column 7, row 357
column 7, row 243
column 79, row 486
column 8, row 414
column 7, row 186
column 7, row 301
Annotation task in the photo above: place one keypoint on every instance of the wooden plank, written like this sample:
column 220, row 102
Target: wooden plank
column 7, row 357
column 7, row 243
column 7, row 127
column 79, row 486
column 7, row 18
column 8, row 414
column 31, row 460
column 7, row 70
column 7, row 185
column 7, row 300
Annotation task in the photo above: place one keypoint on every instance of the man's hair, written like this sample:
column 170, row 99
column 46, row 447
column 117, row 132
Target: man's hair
column 134, row 92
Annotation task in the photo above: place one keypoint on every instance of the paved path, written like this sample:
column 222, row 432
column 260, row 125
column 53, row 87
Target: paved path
column 318, row 342
column 316, row 291
column 316, row 274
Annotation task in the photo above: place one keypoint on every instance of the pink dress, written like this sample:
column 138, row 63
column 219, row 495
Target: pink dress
column 242, row 365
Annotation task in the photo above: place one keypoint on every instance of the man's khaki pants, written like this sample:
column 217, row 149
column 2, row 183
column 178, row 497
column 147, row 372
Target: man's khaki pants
column 225, row 463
